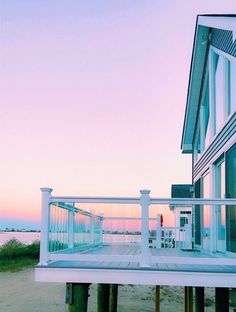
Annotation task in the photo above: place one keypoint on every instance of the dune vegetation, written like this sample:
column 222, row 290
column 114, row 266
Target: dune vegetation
column 15, row 255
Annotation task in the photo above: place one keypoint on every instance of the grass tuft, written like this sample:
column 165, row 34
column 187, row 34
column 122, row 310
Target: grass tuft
column 15, row 255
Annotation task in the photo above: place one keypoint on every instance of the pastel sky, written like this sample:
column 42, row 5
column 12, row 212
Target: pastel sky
column 93, row 97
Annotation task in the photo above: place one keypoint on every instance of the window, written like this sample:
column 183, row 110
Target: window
column 197, row 214
column 222, row 92
column 221, row 88
column 231, row 193
column 218, row 99
column 183, row 221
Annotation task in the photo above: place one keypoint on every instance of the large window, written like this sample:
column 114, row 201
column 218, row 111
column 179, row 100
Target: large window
column 221, row 86
column 218, row 99
column 197, row 214
column 231, row 193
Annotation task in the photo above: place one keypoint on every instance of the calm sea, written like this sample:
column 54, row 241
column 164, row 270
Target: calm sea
column 24, row 237
column 29, row 237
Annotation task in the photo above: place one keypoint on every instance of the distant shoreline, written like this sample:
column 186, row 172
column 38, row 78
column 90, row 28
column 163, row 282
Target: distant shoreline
column 19, row 231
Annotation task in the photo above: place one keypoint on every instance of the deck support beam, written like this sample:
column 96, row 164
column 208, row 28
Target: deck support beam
column 103, row 296
column 157, row 299
column 113, row 298
column 199, row 299
column 221, row 299
column 77, row 297
column 188, row 299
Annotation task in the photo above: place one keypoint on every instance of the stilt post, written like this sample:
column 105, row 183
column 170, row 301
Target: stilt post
column 221, row 299
column 113, row 298
column 103, row 294
column 188, row 299
column 77, row 297
column 199, row 299
column 157, row 299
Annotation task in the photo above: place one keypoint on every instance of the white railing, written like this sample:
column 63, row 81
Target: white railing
column 67, row 227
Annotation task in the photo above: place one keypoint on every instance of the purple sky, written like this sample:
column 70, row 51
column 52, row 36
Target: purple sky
column 93, row 96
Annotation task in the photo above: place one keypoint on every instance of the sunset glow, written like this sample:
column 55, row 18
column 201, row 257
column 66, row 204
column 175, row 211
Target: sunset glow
column 93, row 96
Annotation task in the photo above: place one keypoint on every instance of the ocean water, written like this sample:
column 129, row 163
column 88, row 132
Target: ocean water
column 29, row 237
column 24, row 237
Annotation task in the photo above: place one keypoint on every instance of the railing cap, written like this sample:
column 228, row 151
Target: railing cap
column 46, row 189
column 145, row 192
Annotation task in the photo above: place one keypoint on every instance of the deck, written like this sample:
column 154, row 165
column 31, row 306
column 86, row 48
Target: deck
column 75, row 245
column 167, row 267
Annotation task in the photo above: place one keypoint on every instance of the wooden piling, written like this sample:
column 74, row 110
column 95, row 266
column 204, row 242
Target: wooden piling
column 188, row 299
column 113, row 298
column 157, row 299
column 77, row 297
column 199, row 299
column 221, row 299
column 103, row 294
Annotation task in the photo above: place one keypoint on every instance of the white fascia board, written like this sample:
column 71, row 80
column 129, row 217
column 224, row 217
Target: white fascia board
column 146, row 277
column 220, row 22
column 195, row 81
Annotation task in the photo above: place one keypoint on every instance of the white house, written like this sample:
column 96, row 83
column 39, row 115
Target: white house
column 209, row 132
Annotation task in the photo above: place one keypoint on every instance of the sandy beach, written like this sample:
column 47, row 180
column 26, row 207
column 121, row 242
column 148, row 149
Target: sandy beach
column 19, row 292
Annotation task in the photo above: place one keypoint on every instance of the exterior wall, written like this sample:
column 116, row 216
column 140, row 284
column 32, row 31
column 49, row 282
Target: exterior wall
column 221, row 144
column 210, row 232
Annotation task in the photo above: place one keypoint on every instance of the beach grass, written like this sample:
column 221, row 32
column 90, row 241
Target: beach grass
column 15, row 255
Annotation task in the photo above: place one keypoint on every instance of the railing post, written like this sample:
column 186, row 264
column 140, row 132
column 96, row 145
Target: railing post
column 91, row 228
column 44, row 241
column 145, row 202
column 158, row 232
column 71, row 227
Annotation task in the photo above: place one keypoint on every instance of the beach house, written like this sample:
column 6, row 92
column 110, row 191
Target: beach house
column 106, row 240
column 209, row 132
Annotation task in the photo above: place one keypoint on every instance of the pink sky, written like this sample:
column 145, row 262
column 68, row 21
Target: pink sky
column 93, row 96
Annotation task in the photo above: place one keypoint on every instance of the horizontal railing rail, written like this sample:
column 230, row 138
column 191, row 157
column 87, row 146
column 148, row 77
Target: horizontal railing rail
column 97, row 200
column 153, row 201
